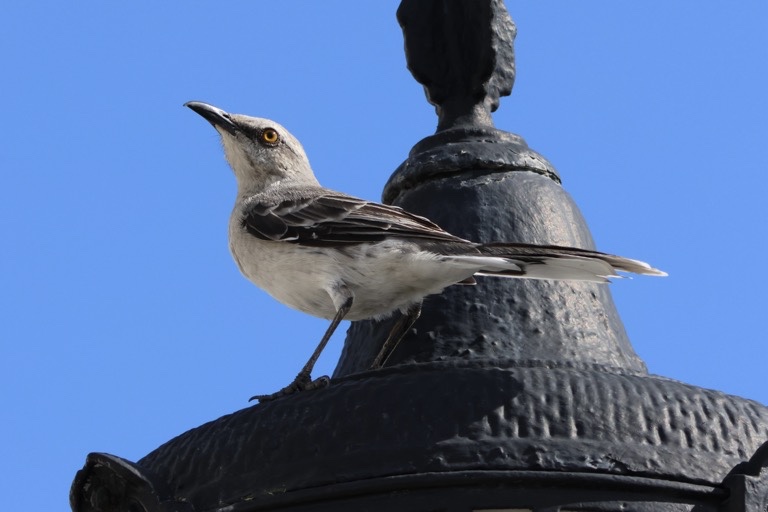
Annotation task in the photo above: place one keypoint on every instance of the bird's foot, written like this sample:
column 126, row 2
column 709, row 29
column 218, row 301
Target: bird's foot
column 302, row 382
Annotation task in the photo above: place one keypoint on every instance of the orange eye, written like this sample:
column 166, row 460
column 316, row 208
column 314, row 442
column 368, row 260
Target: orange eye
column 269, row 136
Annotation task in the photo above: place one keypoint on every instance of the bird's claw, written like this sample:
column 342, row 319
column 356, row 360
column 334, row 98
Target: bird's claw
column 302, row 382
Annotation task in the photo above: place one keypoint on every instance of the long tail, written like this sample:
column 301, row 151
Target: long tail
column 553, row 262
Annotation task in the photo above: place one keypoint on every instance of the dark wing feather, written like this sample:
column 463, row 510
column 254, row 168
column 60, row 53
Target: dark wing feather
column 336, row 219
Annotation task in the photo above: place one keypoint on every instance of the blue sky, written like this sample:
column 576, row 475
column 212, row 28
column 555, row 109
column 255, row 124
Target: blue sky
column 124, row 320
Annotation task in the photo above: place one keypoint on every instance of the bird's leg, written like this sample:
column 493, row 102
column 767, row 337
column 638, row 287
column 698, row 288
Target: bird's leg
column 401, row 327
column 303, row 381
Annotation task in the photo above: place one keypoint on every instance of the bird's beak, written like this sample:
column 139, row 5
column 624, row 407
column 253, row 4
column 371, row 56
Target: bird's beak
column 217, row 117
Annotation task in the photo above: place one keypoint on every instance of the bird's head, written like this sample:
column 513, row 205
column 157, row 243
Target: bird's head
column 261, row 152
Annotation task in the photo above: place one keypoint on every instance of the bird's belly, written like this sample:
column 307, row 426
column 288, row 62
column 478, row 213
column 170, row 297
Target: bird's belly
column 297, row 278
column 381, row 280
column 391, row 283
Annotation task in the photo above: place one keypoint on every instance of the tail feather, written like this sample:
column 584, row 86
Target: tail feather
column 554, row 262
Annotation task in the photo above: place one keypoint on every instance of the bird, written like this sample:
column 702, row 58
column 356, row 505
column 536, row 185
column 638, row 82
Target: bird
column 339, row 257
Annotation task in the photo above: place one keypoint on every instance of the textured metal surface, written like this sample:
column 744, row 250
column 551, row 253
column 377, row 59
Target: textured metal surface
column 497, row 491
column 747, row 485
column 407, row 420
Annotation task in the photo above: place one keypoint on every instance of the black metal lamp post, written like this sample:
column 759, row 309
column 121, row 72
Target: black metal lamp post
column 510, row 395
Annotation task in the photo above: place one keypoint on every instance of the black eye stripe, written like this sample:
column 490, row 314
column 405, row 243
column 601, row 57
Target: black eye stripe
column 251, row 133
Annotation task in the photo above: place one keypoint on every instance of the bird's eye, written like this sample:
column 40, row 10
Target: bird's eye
column 269, row 136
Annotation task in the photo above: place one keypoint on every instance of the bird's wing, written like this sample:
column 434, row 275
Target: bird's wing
column 332, row 219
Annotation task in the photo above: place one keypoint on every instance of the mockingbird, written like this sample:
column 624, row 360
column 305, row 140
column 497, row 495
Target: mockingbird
column 338, row 257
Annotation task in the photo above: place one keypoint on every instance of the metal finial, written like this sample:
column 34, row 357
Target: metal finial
column 463, row 55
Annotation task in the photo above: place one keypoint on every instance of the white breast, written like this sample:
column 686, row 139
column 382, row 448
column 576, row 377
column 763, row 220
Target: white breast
column 383, row 277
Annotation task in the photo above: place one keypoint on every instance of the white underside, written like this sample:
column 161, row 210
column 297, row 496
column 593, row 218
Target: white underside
column 383, row 278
